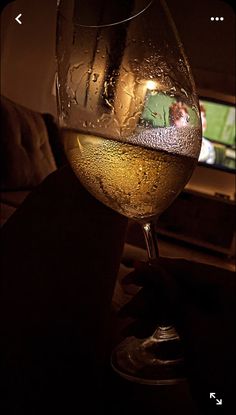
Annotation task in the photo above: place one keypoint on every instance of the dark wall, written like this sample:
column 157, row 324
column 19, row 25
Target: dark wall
column 209, row 45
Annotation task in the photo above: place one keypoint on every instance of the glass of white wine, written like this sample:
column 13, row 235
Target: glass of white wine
column 131, row 130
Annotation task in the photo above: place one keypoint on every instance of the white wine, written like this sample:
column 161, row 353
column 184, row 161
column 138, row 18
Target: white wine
column 134, row 180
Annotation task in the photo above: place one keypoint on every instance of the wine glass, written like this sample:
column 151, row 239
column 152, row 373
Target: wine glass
column 131, row 130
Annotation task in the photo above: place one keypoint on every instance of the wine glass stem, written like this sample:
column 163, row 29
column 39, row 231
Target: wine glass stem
column 164, row 331
column 151, row 240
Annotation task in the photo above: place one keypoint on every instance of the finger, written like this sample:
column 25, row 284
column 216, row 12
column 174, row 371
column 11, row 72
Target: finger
column 143, row 273
column 137, row 307
column 152, row 274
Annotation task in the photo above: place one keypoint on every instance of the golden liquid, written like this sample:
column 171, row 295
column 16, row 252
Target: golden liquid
column 135, row 181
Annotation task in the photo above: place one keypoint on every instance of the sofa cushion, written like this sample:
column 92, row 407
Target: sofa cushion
column 9, row 202
column 26, row 156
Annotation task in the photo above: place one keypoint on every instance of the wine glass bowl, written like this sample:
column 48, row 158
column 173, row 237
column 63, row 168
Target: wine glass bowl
column 131, row 130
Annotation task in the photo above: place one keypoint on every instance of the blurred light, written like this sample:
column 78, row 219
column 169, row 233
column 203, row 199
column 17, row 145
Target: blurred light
column 151, row 85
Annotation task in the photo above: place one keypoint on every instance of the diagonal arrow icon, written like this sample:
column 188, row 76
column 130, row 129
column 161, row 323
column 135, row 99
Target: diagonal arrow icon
column 218, row 401
column 212, row 395
column 17, row 18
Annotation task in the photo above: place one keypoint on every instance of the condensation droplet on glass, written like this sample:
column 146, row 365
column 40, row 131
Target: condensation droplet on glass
column 95, row 77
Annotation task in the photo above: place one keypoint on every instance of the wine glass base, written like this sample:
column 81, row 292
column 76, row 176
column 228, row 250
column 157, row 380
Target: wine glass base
column 150, row 361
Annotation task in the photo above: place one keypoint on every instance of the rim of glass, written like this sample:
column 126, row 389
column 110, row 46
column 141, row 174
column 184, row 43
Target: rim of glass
column 115, row 23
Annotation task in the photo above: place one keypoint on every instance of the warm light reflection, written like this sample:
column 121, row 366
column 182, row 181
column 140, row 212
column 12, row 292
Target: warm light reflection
column 151, row 85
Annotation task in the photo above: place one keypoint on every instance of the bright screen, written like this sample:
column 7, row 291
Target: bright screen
column 218, row 124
